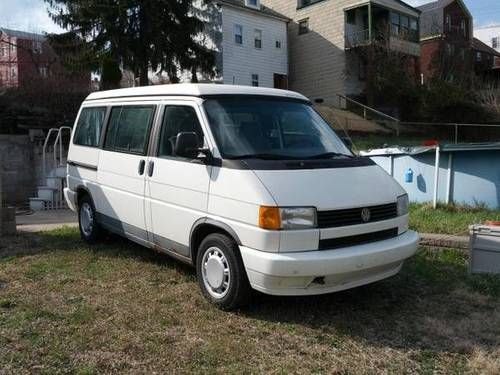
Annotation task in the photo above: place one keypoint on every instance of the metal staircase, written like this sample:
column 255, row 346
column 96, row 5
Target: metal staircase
column 49, row 193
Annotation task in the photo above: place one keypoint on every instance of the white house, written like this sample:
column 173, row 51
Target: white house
column 250, row 41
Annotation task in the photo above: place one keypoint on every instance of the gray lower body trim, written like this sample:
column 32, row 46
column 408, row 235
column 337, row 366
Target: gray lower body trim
column 140, row 236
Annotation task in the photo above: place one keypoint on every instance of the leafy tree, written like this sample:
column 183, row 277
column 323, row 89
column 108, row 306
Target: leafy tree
column 160, row 35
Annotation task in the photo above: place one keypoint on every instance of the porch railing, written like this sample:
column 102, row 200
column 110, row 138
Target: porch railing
column 357, row 38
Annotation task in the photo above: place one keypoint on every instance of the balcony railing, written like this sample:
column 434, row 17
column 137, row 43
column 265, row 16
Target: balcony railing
column 403, row 41
column 357, row 38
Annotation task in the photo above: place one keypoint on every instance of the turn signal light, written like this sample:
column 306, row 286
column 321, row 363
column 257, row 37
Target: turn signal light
column 269, row 218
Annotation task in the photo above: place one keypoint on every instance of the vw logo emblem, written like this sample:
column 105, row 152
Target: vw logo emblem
column 366, row 215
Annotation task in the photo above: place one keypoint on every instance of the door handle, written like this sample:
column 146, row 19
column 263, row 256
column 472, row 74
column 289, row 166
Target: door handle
column 151, row 168
column 142, row 165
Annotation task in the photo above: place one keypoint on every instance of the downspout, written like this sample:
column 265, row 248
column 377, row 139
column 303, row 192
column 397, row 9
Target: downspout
column 370, row 21
column 448, row 181
column 436, row 178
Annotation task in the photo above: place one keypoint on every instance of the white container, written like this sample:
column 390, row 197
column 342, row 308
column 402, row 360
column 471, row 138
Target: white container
column 484, row 249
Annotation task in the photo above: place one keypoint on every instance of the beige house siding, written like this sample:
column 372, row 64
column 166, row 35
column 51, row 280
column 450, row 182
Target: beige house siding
column 318, row 65
column 317, row 59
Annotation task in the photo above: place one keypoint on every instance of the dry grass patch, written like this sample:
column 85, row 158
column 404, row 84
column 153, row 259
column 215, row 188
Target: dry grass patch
column 121, row 308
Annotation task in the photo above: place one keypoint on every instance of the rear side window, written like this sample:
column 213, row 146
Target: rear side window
column 128, row 129
column 89, row 126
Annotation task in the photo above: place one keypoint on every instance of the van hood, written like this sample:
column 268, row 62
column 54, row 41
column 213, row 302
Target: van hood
column 330, row 189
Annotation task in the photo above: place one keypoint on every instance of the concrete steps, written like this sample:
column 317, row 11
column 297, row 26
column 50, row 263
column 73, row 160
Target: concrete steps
column 50, row 196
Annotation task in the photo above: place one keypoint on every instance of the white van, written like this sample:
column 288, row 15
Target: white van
column 250, row 185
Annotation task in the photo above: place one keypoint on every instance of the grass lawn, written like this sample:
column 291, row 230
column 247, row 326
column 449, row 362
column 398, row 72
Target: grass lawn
column 448, row 219
column 120, row 308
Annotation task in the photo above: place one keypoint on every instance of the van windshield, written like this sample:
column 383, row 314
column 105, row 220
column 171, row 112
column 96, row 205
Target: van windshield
column 271, row 129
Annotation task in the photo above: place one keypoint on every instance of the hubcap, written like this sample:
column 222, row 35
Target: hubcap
column 215, row 272
column 86, row 219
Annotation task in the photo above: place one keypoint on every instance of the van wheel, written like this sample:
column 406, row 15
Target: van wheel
column 89, row 228
column 221, row 274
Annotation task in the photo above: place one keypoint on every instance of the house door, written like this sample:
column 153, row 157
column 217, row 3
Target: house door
column 280, row 81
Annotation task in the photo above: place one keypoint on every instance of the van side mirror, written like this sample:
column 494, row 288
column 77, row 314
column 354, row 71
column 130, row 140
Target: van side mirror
column 186, row 145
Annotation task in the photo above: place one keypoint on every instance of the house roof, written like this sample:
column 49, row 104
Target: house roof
column 22, row 34
column 483, row 47
column 416, row 9
column 266, row 11
column 190, row 89
column 432, row 17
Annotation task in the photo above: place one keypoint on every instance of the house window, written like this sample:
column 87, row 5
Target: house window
column 463, row 29
column 44, row 72
column 350, row 16
column 255, row 80
column 278, row 44
column 238, row 34
column 304, row 26
column 395, row 24
column 495, row 42
column 304, row 3
column 252, row 3
column 37, row 46
column 404, row 22
column 479, row 56
column 258, row 39
column 414, row 37
column 2, row 51
column 448, row 22
column 13, row 48
column 13, row 73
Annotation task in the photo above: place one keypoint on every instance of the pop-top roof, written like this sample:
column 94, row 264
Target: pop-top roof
column 190, row 89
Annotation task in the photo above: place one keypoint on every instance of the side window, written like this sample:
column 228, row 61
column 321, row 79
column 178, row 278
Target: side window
column 177, row 119
column 128, row 129
column 89, row 126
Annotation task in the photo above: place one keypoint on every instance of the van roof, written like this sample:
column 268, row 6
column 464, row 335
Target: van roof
column 191, row 89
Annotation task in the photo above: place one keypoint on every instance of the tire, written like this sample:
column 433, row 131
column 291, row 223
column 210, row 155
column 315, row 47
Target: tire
column 87, row 220
column 221, row 275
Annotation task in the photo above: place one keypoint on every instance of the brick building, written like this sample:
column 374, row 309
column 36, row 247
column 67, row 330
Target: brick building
column 446, row 35
column 26, row 58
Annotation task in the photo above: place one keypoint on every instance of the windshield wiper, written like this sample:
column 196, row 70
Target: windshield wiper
column 328, row 155
column 262, row 157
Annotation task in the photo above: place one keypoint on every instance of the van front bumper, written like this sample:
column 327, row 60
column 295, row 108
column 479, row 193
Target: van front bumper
column 326, row 271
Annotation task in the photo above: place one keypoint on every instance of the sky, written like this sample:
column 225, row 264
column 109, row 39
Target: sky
column 31, row 15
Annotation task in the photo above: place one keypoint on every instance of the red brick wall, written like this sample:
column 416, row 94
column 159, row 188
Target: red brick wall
column 27, row 63
column 8, row 61
column 428, row 50
column 457, row 14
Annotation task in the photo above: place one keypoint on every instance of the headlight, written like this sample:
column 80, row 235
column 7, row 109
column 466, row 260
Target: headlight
column 403, row 204
column 276, row 218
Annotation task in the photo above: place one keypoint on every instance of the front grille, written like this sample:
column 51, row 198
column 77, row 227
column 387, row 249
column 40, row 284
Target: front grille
column 352, row 216
column 359, row 239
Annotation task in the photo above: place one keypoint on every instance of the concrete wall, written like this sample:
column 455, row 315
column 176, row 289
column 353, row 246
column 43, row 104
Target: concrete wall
column 18, row 169
column 241, row 61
